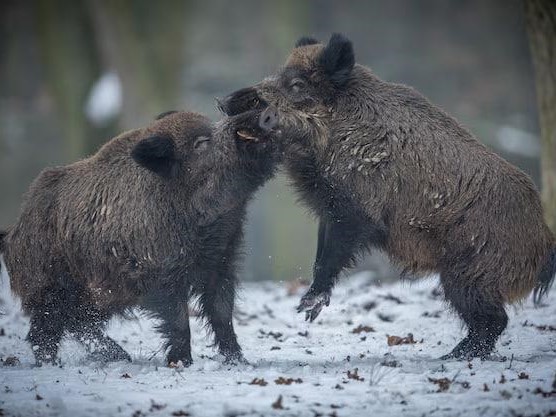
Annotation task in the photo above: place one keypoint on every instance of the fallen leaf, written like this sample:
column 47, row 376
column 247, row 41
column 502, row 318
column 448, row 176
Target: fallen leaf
column 259, row 381
column 541, row 327
column 442, row 383
column 11, row 361
column 391, row 363
column 506, row 394
column 397, row 340
column 156, row 406
column 275, row 335
column 180, row 413
column 385, row 317
column 354, row 375
column 360, row 329
column 287, row 381
column 369, row 305
column 545, row 394
column 393, row 298
column 277, row 405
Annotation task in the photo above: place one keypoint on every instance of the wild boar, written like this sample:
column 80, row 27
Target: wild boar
column 384, row 168
column 152, row 220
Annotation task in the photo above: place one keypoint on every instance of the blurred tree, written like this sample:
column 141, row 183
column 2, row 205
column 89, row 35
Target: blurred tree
column 541, row 25
column 71, row 68
column 142, row 41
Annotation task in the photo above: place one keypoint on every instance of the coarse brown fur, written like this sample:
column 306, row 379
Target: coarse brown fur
column 152, row 219
column 384, row 168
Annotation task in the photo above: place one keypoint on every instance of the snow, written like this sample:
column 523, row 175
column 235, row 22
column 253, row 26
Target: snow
column 104, row 102
column 518, row 141
column 278, row 343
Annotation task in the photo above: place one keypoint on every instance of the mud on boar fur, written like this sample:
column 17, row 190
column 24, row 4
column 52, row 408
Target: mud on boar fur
column 152, row 220
column 384, row 168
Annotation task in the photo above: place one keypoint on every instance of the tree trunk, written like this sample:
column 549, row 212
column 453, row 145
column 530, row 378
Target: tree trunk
column 541, row 25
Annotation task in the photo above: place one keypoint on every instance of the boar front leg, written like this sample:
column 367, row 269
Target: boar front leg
column 338, row 242
column 217, row 303
column 173, row 311
column 176, row 328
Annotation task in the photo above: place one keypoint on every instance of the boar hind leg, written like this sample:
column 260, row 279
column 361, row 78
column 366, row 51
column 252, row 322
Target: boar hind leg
column 47, row 327
column 217, row 304
column 484, row 317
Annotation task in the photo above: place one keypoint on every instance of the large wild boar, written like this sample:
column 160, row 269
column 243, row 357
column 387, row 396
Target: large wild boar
column 151, row 220
column 382, row 167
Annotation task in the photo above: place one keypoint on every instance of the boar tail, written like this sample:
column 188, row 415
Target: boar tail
column 2, row 237
column 2, row 243
column 546, row 277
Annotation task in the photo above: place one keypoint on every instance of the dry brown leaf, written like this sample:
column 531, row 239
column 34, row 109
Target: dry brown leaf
column 354, row 375
column 277, row 405
column 397, row 340
column 259, row 381
column 360, row 329
column 287, row 381
column 442, row 383
column 11, row 361
column 180, row 413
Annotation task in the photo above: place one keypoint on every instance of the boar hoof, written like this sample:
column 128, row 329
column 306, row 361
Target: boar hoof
column 46, row 361
column 470, row 348
column 179, row 364
column 235, row 359
column 312, row 304
column 179, row 359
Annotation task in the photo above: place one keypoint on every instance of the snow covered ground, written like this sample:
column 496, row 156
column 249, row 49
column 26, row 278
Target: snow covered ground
column 341, row 365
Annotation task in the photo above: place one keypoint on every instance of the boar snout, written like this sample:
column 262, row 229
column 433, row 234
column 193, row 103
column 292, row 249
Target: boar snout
column 268, row 120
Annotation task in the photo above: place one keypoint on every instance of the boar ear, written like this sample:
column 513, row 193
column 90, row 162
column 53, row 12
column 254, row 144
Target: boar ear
column 306, row 40
column 164, row 114
column 337, row 59
column 157, row 154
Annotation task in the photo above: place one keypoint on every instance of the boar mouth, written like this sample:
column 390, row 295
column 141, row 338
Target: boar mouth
column 247, row 136
column 255, row 126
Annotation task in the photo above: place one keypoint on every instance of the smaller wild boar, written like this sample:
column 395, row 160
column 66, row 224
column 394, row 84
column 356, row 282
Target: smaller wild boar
column 384, row 168
column 153, row 219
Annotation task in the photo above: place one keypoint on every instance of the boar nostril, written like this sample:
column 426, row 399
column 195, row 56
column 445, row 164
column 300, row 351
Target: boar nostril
column 268, row 119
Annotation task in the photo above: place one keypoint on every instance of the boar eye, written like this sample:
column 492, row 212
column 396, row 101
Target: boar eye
column 297, row 84
column 201, row 144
